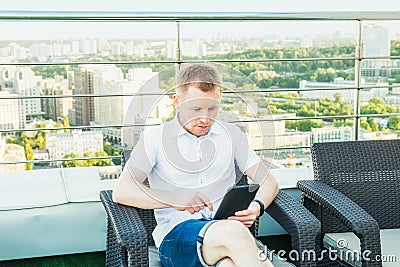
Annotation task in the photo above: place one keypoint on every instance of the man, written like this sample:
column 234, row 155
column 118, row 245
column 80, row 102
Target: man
column 190, row 163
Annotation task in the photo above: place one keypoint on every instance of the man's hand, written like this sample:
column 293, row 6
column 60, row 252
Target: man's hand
column 247, row 217
column 191, row 202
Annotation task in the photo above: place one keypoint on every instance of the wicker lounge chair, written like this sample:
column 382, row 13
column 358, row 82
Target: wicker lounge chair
column 130, row 243
column 355, row 195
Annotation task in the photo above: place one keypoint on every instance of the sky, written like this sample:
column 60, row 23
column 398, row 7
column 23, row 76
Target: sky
column 37, row 30
column 202, row 6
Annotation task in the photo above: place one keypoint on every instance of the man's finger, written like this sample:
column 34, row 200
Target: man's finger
column 242, row 213
column 199, row 204
column 190, row 210
column 206, row 201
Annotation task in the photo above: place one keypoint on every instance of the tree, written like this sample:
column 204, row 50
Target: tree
column 303, row 125
column 66, row 124
column 57, row 124
column 28, row 156
column 71, row 163
column 40, row 125
column 117, row 161
column 338, row 98
column 394, row 123
column 374, row 125
column 102, row 162
column 89, row 162
column 343, row 122
column 26, row 140
column 376, row 105
column 365, row 125
column 40, row 141
column 107, row 148
column 377, row 101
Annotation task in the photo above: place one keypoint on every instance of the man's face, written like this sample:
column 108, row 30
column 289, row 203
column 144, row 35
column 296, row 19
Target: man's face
column 197, row 109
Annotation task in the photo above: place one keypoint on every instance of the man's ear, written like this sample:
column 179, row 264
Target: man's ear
column 176, row 100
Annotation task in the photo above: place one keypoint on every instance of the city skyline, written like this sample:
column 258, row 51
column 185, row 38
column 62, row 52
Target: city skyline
column 267, row 40
column 167, row 30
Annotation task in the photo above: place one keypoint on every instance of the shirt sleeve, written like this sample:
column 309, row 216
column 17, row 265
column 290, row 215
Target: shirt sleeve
column 245, row 156
column 144, row 154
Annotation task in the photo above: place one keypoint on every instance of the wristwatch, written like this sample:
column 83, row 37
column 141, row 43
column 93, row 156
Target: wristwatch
column 261, row 206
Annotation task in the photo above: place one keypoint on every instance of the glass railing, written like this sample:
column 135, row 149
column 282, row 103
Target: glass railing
column 77, row 88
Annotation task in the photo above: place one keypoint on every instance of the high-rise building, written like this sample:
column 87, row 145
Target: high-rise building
column 119, row 48
column 56, row 107
column 22, row 82
column 25, row 83
column 75, row 47
column 115, row 109
column 9, row 115
column 41, row 50
column 88, row 46
column 84, row 85
column 376, row 43
column 149, row 106
column 191, row 47
column 170, row 49
column 17, row 52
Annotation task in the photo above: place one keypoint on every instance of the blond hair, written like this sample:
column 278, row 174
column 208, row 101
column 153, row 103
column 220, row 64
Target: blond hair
column 202, row 75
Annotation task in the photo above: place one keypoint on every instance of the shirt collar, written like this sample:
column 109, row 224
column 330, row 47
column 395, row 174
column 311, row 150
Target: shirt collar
column 174, row 129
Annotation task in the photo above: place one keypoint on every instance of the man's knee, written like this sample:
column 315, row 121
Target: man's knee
column 226, row 238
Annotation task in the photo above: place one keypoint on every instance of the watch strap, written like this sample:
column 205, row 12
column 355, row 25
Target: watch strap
column 262, row 208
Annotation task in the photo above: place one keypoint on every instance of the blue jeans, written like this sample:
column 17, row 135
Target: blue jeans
column 181, row 247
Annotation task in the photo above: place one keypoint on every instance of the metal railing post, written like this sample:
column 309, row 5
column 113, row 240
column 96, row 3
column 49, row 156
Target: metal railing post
column 178, row 56
column 357, row 81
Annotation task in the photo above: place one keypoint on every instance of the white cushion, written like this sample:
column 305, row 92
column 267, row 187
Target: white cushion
column 31, row 189
column 42, row 214
column 82, row 184
column 154, row 259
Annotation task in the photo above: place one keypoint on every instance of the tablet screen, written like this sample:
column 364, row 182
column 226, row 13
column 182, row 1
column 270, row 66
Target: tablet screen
column 236, row 198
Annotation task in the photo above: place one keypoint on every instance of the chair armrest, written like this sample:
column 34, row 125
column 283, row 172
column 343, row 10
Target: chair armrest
column 128, row 229
column 301, row 224
column 347, row 211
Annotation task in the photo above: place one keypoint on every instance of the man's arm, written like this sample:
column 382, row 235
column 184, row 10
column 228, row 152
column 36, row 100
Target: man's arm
column 261, row 175
column 268, row 190
column 131, row 191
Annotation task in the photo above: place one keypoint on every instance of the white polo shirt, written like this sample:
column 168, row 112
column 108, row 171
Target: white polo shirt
column 177, row 161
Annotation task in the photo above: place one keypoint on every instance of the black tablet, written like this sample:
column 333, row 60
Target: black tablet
column 236, row 198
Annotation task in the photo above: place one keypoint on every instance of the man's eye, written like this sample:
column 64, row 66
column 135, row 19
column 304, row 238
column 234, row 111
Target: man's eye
column 196, row 109
column 213, row 108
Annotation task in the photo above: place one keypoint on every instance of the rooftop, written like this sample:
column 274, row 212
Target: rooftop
column 53, row 216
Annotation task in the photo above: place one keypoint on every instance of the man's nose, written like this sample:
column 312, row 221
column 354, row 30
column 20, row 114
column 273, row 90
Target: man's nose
column 204, row 119
column 204, row 116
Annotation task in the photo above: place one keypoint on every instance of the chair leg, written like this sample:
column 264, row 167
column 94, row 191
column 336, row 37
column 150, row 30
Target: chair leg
column 115, row 254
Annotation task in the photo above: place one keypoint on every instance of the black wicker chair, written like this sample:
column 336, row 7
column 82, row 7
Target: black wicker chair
column 129, row 234
column 356, row 190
